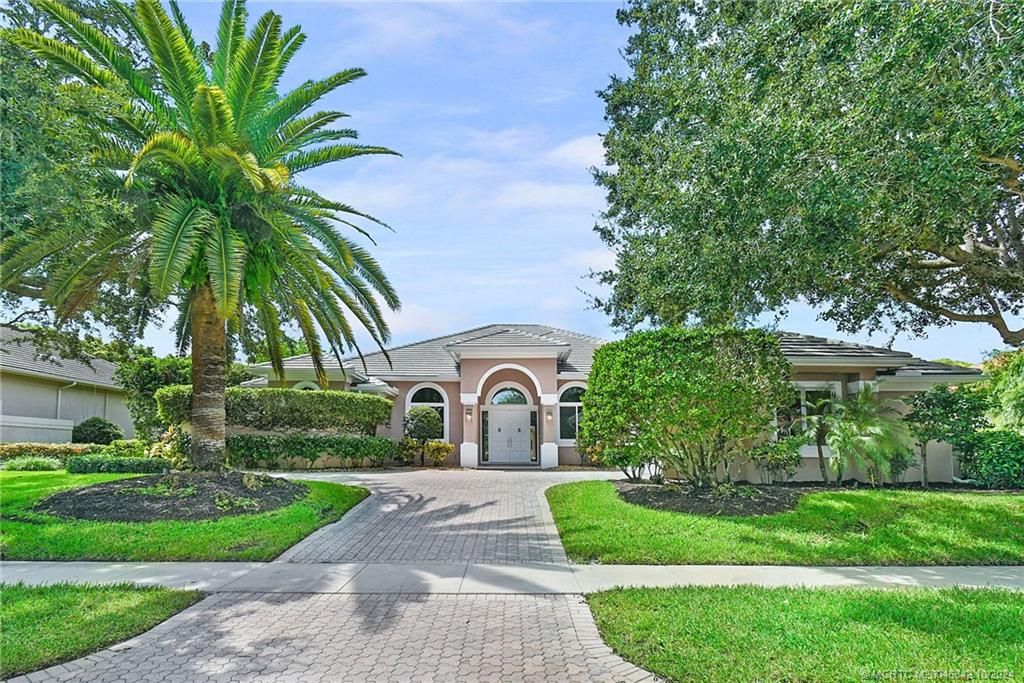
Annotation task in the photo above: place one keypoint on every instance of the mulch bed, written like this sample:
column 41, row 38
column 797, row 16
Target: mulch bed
column 181, row 496
column 740, row 500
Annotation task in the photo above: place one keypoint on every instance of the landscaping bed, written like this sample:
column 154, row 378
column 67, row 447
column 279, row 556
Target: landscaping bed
column 826, row 527
column 27, row 533
column 722, row 500
column 174, row 496
column 752, row 633
column 47, row 625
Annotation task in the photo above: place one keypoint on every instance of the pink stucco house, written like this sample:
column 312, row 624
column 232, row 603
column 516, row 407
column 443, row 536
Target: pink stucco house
column 509, row 394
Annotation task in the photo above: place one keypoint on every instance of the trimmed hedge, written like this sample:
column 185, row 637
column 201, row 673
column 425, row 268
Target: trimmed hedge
column 61, row 451
column 283, row 409
column 88, row 464
column 126, row 448
column 993, row 458
column 263, row 450
column 33, row 463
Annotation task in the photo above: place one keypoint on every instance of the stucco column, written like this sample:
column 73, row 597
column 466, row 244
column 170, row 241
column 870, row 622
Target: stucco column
column 548, row 415
column 469, row 452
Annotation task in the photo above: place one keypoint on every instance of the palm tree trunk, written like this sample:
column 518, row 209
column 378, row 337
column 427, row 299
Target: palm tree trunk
column 924, row 464
column 209, row 377
column 821, row 460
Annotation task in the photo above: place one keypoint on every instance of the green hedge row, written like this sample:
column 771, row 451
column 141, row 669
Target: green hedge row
column 993, row 458
column 259, row 450
column 87, row 464
column 61, row 451
column 283, row 409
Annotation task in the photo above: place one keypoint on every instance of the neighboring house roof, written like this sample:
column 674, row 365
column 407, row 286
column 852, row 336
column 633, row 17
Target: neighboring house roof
column 438, row 357
column 19, row 355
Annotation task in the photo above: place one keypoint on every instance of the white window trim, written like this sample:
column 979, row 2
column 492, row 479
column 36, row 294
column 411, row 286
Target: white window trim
column 558, row 416
column 509, row 385
column 444, row 404
column 306, row 384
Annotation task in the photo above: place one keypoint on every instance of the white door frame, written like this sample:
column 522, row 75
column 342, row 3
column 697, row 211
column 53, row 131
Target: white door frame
column 531, row 414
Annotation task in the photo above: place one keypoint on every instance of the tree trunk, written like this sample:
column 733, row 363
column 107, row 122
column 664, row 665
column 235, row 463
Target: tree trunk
column 821, row 461
column 924, row 464
column 209, row 377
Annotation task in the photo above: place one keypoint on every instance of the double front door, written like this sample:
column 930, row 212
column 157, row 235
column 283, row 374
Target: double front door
column 510, row 435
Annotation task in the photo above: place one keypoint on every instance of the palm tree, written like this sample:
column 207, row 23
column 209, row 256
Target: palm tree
column 210, row 151
column 864, row 430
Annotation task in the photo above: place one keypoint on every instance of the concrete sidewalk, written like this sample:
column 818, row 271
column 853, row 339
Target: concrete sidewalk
column 467, row 578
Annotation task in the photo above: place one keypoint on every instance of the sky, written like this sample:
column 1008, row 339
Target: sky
column 494, row 109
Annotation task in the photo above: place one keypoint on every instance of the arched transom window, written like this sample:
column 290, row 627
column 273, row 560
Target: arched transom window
column 570, row 407
column 508, row 396
column 432, row 396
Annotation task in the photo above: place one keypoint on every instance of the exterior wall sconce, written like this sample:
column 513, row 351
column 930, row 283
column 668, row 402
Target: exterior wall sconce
column 549, row 414
column 469, row 413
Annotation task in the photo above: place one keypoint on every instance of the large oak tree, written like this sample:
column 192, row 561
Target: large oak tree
column 864, row 155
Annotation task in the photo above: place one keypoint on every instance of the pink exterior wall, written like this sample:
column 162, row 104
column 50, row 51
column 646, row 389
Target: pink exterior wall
column 453, row 415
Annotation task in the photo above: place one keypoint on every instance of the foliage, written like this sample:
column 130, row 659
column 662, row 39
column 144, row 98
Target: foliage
column 61, row 451
column 822, row 634
column 127, row 448
column 96, row 430
column 898, row 464
column 423, row 423
column 688, row 398
column 289, row 347
column 282, row 409
column 631, row 462
column 141, row 377
column 47, row 625
column 947, row 414
column 173, row 445
column 864, row 526
column 994, row 458
column 862, row 156
column 778, row 459
column 1006, row 388
column 865, row 431
column 268, row 451
column 90, row 464
column 32, row 463
column 437, row 452
column 30, row 535
column 408, row 449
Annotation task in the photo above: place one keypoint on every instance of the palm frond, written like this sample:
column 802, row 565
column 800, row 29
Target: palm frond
column 169, row 146
column 303, row 161
column 178, row 222
column 230, row 36
column 186, row 31
column 212, row 115
column 74, row 61
column 225, row 260
column 253, row 69
column 179, row 69
column 291, row 41
column 302, row 98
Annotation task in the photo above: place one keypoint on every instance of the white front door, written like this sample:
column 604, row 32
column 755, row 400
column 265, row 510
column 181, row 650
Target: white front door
column 509, row 435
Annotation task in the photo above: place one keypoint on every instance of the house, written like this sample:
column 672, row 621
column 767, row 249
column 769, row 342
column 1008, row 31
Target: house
column 510, row 394
column 43, row 396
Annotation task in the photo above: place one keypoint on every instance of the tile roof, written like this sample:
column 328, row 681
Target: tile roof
column 433, row 357
column 19, row 355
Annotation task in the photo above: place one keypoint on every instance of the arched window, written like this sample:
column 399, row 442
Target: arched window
column 570, row 407
column 306, row 385
column 432, row 396
column 508, row 396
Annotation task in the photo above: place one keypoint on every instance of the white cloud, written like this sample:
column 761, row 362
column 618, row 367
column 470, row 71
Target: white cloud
column 417, row 321
column 582, row 152
column 593, row 259
column 531, row 194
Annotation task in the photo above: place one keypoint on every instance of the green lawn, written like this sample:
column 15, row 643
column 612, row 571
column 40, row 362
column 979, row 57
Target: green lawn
column 28, row 535
column 804, row 634
column 46, row 625
column 885, row 527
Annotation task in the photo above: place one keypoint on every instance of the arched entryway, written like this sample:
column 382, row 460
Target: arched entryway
column 508, row 426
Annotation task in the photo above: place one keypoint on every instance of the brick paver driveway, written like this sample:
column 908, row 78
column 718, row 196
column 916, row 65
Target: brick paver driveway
column 457, row 516
column 444, row 516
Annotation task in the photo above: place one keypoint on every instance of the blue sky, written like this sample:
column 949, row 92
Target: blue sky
column 494, row 110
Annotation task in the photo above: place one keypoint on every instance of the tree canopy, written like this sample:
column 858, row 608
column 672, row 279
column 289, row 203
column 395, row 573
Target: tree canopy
column 865, row 156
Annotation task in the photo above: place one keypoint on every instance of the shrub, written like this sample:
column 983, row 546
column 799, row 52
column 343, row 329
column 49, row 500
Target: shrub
column 33, row 463
column 60, row 451
column 944, row 414
column 88, row 464
column 142, row 377
column 267, row 450
column 437, row 452
column 96, row 430
column 779, row 459
column 174, row 445
column 408, row 449
column 422, row 423
column 126, row 448
column 690, row 397
column 994, row 458
column 1006, row 388
column 283, row 409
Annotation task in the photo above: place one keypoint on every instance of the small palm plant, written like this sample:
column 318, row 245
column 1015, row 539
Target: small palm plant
column 210, row 151
column 862, row 430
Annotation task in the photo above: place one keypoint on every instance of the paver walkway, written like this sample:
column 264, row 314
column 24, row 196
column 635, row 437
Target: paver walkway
column 414, row 517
